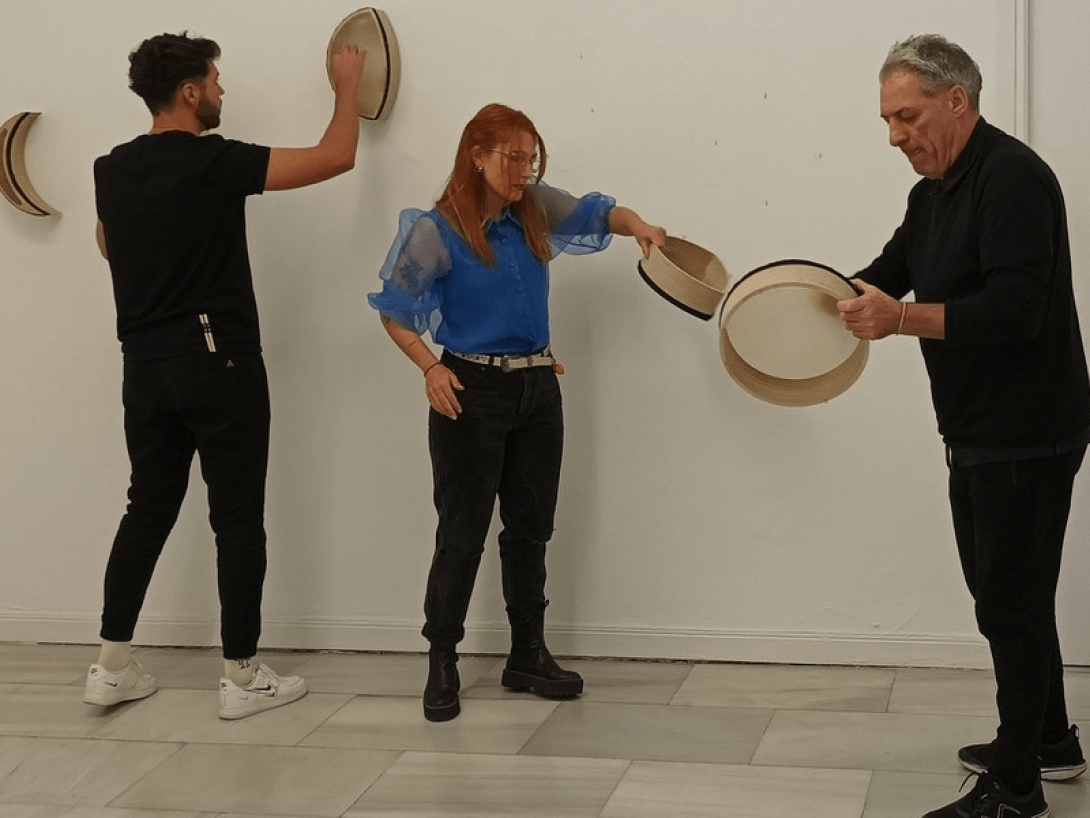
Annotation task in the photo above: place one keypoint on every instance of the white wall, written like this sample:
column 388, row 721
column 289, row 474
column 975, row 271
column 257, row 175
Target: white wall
column 1060, row 132
column 694, row 521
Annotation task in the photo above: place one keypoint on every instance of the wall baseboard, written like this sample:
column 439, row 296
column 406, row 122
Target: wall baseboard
column 899, row 650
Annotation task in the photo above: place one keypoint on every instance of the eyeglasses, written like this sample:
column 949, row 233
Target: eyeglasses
column 521, row 159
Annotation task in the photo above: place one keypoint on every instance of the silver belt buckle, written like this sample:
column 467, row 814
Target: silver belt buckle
column 511, row 363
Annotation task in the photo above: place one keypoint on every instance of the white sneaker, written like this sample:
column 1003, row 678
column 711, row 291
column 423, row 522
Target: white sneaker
column 266, row 691
column 105, row 687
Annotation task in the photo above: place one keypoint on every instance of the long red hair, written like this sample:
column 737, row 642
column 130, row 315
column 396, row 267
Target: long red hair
column 463, row 201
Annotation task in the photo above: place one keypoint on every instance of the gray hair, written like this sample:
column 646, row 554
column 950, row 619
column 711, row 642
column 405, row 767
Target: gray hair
column 938, row 63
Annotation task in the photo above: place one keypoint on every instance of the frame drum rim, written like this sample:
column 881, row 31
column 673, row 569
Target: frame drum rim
column 771, row 388
column 369, row 29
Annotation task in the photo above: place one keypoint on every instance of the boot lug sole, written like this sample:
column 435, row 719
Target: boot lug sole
column 521, row 682
column 445, row 713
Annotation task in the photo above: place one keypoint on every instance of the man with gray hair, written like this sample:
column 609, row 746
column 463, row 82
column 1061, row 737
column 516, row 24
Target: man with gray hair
column 984, row 247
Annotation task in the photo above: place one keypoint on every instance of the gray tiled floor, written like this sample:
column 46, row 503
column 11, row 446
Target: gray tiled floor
column 646, row 739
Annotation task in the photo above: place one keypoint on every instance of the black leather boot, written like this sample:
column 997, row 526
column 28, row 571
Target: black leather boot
column 531, row 667
column 441, row 691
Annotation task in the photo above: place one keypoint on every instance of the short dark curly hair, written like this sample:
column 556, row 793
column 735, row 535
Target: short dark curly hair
column 162, row 64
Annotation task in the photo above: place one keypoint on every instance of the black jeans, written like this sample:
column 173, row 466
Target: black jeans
column 1009, row 520
column 507, row 443
column 217, row 405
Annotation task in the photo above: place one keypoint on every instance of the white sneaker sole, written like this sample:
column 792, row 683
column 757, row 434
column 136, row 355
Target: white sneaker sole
column 1063, row 773
column 260, row 705
column 1047, row 773
column 108, row 698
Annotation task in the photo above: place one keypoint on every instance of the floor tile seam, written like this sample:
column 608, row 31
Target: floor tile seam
column 825, row 766
column 943, row 712
column 351, row 698
column 99, row 739
column 889, row 691
column 165, row 742
column 640, row 759
column 521, row 751
column 258, row 742
column 668, row 706
column 616, row 786
column 627, row 762
column 61, row 736
column 461, row 751
column 955, row 769
column 38, row 683
column 79, row 681
column 393, row 763
column 868, row 773
column 808, row 707
column 891, row 713
column 371, row 694
column 178, row 747
column 132, row 785
column 628, row 765
column 886, row 699
column 799, row 768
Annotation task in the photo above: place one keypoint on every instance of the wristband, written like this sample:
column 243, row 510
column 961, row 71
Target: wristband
column 901, row 323
column 430, row 368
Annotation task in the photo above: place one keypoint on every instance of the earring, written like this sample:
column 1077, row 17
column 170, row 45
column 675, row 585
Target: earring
column 480, row 169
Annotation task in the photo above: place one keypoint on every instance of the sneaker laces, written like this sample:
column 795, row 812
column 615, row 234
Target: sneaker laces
column 982, row 804
column 966, row 780
column 986, row 794
column 271, row 678
column 981, row 796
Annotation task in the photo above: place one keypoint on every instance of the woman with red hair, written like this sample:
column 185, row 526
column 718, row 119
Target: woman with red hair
column 473, row 272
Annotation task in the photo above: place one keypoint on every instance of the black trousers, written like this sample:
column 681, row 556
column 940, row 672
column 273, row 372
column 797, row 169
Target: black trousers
column 506, row 444
column 1009, row 520
column 216, row 405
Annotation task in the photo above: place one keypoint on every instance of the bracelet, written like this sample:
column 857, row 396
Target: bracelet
column 431, row 367
column 901, row 323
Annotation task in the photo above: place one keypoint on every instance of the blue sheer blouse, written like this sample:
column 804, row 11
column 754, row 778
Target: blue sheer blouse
column 433, row 282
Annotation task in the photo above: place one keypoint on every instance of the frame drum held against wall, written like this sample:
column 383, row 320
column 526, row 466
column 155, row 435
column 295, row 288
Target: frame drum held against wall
column 370, row 30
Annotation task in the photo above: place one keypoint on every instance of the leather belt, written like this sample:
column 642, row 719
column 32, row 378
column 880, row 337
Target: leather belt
column 508, row 363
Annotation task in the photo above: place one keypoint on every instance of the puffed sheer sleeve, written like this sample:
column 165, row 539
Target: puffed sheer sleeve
column 575, row 225
column 417, row 258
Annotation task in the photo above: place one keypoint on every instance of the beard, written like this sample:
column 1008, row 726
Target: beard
column 208, row 115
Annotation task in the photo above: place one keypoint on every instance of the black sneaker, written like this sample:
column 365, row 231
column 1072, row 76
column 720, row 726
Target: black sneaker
column 990, row 799
column 1059, row 762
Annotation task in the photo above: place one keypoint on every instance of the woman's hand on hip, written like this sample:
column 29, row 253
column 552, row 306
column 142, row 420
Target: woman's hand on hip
column 440, row 385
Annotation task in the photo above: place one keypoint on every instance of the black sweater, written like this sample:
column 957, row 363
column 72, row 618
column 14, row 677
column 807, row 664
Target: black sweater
column 990, row 241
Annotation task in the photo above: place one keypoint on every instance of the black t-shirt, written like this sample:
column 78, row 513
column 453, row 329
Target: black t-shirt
column 172, row 206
